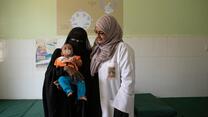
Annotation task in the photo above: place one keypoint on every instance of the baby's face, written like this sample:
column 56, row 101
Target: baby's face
column 67, row 50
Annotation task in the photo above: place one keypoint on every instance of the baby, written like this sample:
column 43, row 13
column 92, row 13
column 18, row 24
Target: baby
column 74, row 62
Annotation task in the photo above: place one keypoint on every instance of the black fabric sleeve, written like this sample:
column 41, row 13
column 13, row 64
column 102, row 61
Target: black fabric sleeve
column 118, row 113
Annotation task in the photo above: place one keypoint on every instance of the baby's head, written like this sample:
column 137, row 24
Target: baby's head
column 67, row 50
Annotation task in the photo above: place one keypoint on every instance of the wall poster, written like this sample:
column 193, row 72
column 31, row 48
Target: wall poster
column 84, row 13
column 44, row 50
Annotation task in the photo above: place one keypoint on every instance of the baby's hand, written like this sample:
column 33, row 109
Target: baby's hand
column 72, row 59
column 66, row 60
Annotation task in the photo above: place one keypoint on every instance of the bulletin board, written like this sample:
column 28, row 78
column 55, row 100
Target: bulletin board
column 84, row 13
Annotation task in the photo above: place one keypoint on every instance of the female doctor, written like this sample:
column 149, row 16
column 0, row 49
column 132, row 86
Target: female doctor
column 112, row 62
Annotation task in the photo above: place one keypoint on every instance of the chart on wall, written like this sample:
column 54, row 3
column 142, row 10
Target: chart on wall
column 44, row 51
column 84, row 13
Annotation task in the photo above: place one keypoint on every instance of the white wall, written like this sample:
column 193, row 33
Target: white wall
column 171, row 66
column 165, row 66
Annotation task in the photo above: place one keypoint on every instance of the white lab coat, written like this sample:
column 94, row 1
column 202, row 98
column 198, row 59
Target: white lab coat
column 118, row 92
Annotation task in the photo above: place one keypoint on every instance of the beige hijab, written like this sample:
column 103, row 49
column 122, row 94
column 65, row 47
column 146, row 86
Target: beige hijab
column 105, row 51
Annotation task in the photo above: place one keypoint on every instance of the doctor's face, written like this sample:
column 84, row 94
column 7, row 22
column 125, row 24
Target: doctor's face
column 100, row 36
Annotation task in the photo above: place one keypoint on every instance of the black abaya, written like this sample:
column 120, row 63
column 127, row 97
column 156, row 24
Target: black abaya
column 55, row 101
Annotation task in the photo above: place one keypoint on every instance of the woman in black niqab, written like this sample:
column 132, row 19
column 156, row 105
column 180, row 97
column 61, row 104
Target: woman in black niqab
column 55, row 102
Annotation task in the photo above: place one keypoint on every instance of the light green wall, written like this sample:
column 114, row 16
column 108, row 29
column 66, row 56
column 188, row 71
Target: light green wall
column 166, row 17
column 24, row 19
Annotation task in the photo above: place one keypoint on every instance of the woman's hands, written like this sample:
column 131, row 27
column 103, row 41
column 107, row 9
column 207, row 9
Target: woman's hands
column 71, row 71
